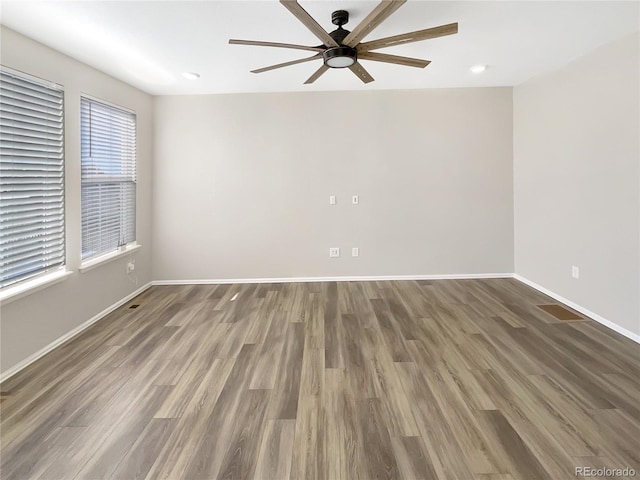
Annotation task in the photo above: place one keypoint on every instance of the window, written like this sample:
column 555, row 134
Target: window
column 108, row 151
column 31, row 178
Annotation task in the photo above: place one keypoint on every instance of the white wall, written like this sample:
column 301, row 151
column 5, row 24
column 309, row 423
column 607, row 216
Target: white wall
column 32, row 322
column 577, row 181
column 242, row 184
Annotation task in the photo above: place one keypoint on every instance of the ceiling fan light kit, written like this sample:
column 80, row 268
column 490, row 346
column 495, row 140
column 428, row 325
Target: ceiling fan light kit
column 343, row 49
column 339, row 57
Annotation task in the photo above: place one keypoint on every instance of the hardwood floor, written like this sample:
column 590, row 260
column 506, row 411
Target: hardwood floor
column 401, row 380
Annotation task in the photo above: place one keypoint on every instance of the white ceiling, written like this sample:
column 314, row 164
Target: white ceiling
column 150, row 43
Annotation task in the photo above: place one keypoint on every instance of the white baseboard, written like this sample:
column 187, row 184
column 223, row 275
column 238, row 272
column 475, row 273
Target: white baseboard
column 69, row 335
column 222, row 281
column 594, row 316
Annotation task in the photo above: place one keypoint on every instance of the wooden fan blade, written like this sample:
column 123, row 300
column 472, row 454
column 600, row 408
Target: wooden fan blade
column 317, row 74
column 286, row 64
column 417, row 36
column 361, row 73
column 378, row 15
column 383, row 57
column 307, row 20
column 274, row 44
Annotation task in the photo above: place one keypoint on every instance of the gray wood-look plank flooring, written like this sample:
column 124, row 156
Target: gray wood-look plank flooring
column 451, row 379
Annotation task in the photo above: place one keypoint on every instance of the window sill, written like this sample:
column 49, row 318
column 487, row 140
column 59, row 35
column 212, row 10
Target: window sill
column 31, row 286
column 102, row 259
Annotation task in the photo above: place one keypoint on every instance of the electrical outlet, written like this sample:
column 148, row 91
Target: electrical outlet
column 332, row 200
column 355, row 252
column 334, row 252
column 575, row 272
column 131, row 266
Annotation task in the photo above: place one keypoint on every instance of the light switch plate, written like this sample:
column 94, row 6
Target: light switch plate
column 334, row 252
column 355, row 199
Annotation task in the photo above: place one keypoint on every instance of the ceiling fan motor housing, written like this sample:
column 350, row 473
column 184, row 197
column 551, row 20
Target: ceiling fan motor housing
column 343, row 55
column 339, row 34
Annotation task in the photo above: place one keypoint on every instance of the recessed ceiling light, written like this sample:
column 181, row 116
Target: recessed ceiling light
column 478, row 68
column 191, row 75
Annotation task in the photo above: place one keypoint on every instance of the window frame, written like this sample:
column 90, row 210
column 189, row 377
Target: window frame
column 89, row 263
column 58, row 273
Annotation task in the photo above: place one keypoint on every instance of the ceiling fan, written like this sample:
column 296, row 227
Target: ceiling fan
column 342, row 48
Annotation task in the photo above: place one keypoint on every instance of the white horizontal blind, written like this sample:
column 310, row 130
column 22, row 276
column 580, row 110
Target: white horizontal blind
column 108, row 136
column 31, row 178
